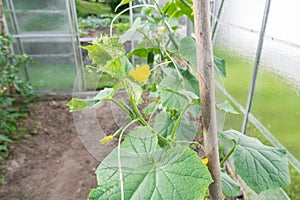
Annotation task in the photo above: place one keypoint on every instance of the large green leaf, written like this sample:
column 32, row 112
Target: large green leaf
column 149, row 172
column 190, row 82
column 261, row 167
column 104, row 50
column 132, row 31
column 108, row 55
column 149, row 109
column 78, row 104
column 170, row 99
column 164, row 124
column 229, row 187
column 176, row 8
column 187, row 49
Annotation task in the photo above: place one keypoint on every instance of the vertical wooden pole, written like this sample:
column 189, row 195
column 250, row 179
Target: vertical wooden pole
column 207, row 93
column 3, row 33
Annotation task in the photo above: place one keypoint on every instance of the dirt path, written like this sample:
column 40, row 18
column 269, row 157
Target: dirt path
column 54, row 164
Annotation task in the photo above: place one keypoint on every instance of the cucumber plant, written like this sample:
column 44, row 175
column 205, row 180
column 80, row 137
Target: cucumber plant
column 157, row 160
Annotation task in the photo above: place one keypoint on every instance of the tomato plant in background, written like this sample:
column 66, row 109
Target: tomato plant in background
column 15, row 93
column 157, row 160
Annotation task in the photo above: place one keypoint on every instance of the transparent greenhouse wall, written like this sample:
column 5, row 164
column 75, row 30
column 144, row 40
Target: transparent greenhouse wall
column 276, row 103
column 47, row 32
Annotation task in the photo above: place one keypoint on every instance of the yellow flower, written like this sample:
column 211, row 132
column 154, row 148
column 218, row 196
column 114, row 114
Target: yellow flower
column 3, row 89
column 205, row 161
column 141, row 74
column 25, row 55
column 106, row 139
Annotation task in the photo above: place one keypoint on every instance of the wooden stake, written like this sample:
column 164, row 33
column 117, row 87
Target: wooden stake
column 207, row 93
column 3, row 33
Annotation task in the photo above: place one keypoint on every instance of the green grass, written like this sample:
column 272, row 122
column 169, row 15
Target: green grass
column 85, row 8
column 275, row 104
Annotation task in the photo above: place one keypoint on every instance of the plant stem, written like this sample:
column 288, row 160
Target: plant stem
column 185, row 3
column 126, row 109
column 162, row 141
column 229, row 154
column 137, row 112
column 167, row 26
column 146, row 36
column 178, row 121
column 119, row 159
column 205, row 65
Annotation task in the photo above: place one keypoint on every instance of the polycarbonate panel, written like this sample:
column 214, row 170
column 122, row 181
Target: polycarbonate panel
column 40, row 46
column 244, row 13
column 283, row 21
column 35, row 22
column 276, row 103
column 238, row 47
column 52, row 74
column 276, row 100
column 46, row 32
column 38, row 4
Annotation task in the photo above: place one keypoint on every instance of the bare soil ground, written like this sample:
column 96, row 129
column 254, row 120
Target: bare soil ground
column 54, row 163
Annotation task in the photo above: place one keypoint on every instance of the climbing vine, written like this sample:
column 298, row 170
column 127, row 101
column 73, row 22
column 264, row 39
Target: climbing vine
column 157, row 159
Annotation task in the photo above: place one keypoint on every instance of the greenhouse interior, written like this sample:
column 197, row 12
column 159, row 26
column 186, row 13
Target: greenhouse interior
column 150, row 99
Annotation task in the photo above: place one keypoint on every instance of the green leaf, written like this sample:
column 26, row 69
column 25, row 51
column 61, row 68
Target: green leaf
column 190, row 82
column 132, row 31
column 105, row 49
column 187, row 49
column 79, row 104
column 149, row 172
column 4, row 138
column 149, row 109
column 227, row 107
column 177, row 9
column 229, row 187
column 170, row 99
column 133, row 89
column 143, row 52
column 261, row 167
column 220, row 66
column 118, row 67
column 164, row 124
column 98, row 54
column 186, row 9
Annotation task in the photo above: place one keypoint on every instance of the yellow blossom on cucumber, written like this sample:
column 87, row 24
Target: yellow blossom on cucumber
column 141, row 74
column 205, row 161
column 106, row 139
